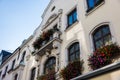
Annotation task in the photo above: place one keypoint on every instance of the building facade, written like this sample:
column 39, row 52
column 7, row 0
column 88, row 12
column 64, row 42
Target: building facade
column 71, row 30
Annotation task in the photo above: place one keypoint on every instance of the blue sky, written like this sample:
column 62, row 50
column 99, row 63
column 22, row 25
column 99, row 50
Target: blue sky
column 18, row 20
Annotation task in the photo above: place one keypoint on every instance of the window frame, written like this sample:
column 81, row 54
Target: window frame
column 23, row 57
column 13, row 64
column 102, row 36
column 33, row 73
column 96, row 3
column 16, row 77
column 50, row 64
column 74, row 51
column 0, row 73
column 71, row 13
column 6, row 68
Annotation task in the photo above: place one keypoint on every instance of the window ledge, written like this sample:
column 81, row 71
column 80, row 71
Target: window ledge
column 93, row 9
column 100, row 71
column 10, row 70
column 71, row 26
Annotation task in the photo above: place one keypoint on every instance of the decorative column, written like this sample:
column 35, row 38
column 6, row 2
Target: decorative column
column 60, row 11
column 57, row 66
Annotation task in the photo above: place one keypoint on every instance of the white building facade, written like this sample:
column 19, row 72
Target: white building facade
column 70, row 30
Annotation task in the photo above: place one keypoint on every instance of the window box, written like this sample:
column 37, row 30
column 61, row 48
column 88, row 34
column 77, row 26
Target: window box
column 49, row 76
column 44, row 38
column 73, row 69
column 104, row 56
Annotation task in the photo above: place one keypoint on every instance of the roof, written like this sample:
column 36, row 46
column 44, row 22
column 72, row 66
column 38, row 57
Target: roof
column 5, row 55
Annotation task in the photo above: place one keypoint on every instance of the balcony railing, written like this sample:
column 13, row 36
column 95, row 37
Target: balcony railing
column 49, row 43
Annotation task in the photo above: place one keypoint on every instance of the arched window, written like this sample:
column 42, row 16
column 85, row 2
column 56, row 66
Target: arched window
column 74, row 52
column 16, row 76
column 50, row 65
column 101, row 36
column 33, row 71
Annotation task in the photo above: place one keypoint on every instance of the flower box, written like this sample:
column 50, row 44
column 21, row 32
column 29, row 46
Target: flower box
column 73, row 69
column 45, row 37
column 104, row 56
column 49, row 76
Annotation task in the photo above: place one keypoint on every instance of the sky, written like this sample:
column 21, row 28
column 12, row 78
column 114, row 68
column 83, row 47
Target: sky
column 18, row 20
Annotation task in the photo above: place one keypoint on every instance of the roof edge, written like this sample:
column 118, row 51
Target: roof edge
column 51, row 1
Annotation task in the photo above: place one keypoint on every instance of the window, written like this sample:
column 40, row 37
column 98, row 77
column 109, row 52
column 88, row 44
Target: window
column 72, row 17
column 52, row 8
column 18, row 56
column 18, row 53
column 13, row 64
column 23, row 56
column 101, row 36
column 50, row 65
column 0, row 73
column 33, row 71
column 5, row 70
column 74, row 52
column 15, row 77
column 55, row 27
column 93, row 3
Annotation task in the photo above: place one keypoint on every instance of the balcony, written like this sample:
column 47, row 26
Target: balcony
column 47, row 41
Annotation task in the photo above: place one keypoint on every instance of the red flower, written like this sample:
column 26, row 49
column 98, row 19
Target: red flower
column 102, row 54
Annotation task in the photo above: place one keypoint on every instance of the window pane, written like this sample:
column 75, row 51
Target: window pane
column 102, row 36
column 99, row 44
column 33, row 74
column 16, row 76
column 107, row 39
column 91, row 3
column 72, row 57
column 70, row 20
column 75, row 16
column 97, row 35
column 77, row 55
column 71, row 50
column 77, row 47
column 96, row 1
column 74, row 52
column 72, row 17
column 106, row 30
column 50, row 65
